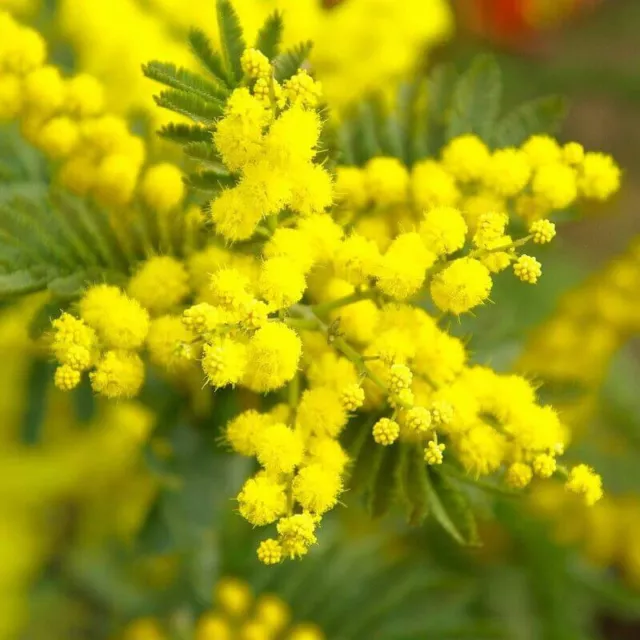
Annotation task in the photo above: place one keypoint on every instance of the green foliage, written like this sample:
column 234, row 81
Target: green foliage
column 270, row 35
column 231, row 38
column 429, row 112
column 184, row 80
column 289, row 61
column 211, row 60
column 191, row 105
column 184, row 133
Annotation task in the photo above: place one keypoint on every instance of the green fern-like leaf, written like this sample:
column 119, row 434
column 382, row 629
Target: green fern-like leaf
column 270, row 35
column 210, row 181
column 193, row 107
column 184, row 133
column 24, row 281
column 184, row 80
column 289, row 61
column 231, row 38
column 542, row 115
column 476, row 100
column 205, row 153
column 210, row 59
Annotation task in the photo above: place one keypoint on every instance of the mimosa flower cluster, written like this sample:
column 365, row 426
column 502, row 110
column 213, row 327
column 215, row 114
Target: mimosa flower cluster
column 93, row 150
column 236, row 614
column 321, row 297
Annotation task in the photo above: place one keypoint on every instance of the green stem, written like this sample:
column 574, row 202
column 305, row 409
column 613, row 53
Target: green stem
column 480, row 253
column 312, row 321
column 326, row 307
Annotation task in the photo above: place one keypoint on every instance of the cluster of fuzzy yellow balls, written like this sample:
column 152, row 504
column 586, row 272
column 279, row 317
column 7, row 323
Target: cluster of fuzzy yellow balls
column 320, row 285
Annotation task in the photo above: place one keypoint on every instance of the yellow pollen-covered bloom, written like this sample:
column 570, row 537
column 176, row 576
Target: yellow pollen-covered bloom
column 350, row 187
column 542, row 150
column 166, row 340
column 417, row 419
column 518, row 475
column 255, row 64
column 118, row 374
column 356, row 259
column 461, row 286
column 386, row 181
column 159, row 284
column 386, row 431
column 598, row 177
column 527, row 269
column 432, row 185
column 270, row 551
column 273, row 351
column 243, row 431
column 555, row 183
column 279, row 449
column 584, row 481
column 282, row 282
column 119, row 321
column 352, row 397
column 443, row 230
column 544, row 465
column 433, row 453
column 321, row 412
column 162, row 187
column 317, row 488
column 262, row 500
column 507, row 172
column 543, row 231
column 224, row 361
column 66, row 377
column 466, row 157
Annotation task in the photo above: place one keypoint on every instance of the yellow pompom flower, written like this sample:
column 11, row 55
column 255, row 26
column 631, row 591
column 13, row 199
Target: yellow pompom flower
column 465, row 157
column 328, row 453
column 573, row 153
column 386, row 181
column 399, row 378
column 279, row 449
column 599, row 176
column 321, row 412
column 433, row 453
column 120, row 321
column 544, row 465
column 255, row 64
column 84, row 96
column 292, row 139
column 527, row 269
column 228, row 288
column 302, row 89
column 273, row 351
column 281, row 282
column 316, row 488
column 233, row 216
column 443, row 230
column 386, row 431
column 432, row 185
column 243, row 431
column 58, row 137
column 162, row 187
column 270, row 551
column 73, row 341
column 542, row 150
column 324, row 235
column 66, row 377
column 224, row 361
column 461, row 286
column 543, row 231
column 555, row 183
column 294, row 244
column 233, row 596
column 23, row 50
column 507, row 172
column 272, row 612
column 585, row 482
column 262, row 500
column 203, row 319
column 311, row 189
column 118, row 374
column 115, row 180
column 350, row 187
column 401, row 271
column 518, row 475
column 44, row 91
column 356, row 259
column 159, row 284
column 352, row 397
column 417, row 419
column 480, row 450
column 239, row 134
column 211, row 626
column 165, row 340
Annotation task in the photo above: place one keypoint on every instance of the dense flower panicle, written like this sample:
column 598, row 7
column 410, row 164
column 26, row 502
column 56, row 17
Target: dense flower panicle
column 311, row 289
